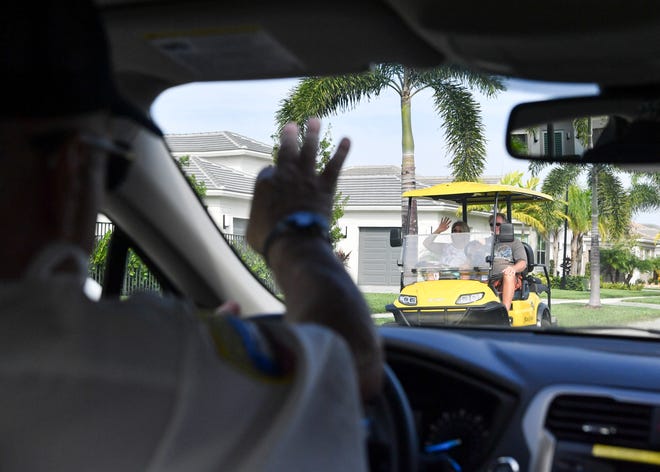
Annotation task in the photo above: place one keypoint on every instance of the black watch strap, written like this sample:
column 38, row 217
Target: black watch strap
column 300, row 222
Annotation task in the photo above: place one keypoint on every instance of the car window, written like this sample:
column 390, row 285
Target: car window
column 134, row 274
column 224, row 133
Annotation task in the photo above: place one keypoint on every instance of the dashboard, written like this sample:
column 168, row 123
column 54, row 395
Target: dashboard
column 503, row 400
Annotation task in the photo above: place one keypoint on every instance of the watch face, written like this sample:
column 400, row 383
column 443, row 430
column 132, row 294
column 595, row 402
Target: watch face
column 307, row 220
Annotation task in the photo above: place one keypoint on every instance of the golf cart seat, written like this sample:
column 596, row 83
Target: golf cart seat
column 534, row 284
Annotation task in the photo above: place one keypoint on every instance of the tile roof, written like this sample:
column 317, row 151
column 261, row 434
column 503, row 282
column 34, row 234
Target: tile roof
column 425, row 181
column 381, row 185
column 370, row 190
column 375, row 186
column 371, row 170
column 219, row 177
column 218, row 141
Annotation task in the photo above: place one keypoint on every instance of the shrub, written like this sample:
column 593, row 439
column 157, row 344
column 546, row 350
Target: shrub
column 256, row 264
column 573, row 282
column 622, row 286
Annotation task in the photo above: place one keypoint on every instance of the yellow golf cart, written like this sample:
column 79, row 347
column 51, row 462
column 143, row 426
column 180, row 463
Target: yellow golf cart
column 445, row 278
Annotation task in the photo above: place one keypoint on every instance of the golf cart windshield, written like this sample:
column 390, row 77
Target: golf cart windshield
column 447, row 256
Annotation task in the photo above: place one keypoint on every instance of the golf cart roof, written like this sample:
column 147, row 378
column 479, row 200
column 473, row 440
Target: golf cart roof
column 476, row 193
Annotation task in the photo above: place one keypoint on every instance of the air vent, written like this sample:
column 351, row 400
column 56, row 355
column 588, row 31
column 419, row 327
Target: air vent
column 603, row 420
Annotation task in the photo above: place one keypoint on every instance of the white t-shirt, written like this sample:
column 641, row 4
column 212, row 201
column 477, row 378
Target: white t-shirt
column 140, row 385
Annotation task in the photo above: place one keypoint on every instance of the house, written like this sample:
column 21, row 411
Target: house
column 373, row 208
column 565, row 142
column 228, row 164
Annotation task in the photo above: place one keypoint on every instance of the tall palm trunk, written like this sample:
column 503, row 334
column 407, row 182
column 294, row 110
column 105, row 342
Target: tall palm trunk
column 580, row 253
column 574, row 253
column 594, row 256
column 555, row 250
column 408, row 222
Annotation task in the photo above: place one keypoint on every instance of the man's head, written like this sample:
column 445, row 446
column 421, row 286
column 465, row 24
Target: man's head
column 500, row 218
column 58, row 100
column 59, row 58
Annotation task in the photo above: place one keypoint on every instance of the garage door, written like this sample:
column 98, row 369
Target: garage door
column 377, row 261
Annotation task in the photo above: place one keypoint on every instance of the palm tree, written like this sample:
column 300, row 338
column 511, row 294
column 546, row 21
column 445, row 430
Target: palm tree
column 453, row 100
column 531, row 214
column 553, row 214
column 579, row 218
column 645, row 191
column 609, row 201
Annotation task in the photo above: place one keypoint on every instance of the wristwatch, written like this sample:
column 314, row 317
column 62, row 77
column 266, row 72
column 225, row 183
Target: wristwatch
column 299, row 222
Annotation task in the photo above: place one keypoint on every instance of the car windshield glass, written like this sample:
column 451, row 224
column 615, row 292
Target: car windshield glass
column 224, row 133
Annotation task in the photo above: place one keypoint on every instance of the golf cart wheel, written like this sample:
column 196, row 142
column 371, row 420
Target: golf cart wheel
column 544, row 322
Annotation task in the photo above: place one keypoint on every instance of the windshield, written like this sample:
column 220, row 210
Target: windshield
column 447, row 256
column 224, row 133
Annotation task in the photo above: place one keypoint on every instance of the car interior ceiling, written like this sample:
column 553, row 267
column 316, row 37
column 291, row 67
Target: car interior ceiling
column 418, row 33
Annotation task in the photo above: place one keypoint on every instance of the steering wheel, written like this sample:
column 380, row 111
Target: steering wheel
column 392, row 444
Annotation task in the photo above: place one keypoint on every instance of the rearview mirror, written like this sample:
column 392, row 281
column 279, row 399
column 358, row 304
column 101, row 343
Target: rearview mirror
column 617, row 130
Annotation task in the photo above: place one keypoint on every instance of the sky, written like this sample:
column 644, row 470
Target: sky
column 248, row 108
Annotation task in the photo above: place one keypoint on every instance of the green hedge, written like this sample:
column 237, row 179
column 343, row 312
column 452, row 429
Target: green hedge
column 622, row 286
column 573, row 282
column 581, row 284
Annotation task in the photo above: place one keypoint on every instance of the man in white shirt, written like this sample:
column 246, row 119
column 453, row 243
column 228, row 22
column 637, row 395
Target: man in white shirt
column 145, row 384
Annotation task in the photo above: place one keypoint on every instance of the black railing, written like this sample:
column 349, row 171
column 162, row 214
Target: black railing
column 138, row 278
column 253, row 261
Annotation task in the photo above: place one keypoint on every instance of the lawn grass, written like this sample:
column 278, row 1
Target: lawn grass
column 568, row 314
column 571, row 315
column 654, row 300
column 377, row 301
column 604, row 293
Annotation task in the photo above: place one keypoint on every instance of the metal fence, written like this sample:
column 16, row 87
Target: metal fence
column 138, row 278
column 102, row 228
column 236, row 240
column 253, row 261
